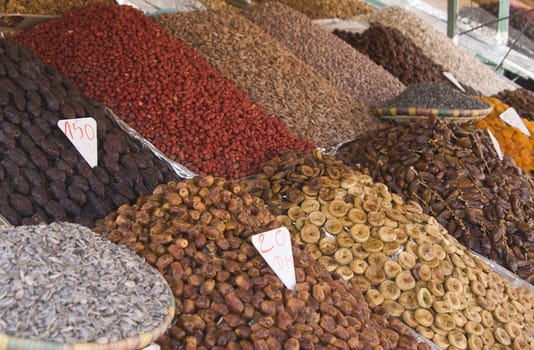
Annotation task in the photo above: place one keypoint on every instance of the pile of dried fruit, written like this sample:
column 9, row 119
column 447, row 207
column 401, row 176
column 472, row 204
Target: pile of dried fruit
column 307, row 102
column 43, row 7
column 455, row 174
column 465, row 66
column 162, row 88
column 197, row 233
column 329, row 8
column 522, row 100
column 512, row 141
column 43, row 178
column 389, row 48
column 330, row 56
column 402, row 259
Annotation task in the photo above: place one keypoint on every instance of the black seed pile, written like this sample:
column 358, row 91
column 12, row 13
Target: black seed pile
column 435, row 95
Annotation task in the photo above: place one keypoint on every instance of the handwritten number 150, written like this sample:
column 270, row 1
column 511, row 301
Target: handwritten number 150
column 72, row 129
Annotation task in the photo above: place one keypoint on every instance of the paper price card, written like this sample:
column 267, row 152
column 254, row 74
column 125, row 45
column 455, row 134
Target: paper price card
column 496, row 145
column 511, row 117
column 453, row 80
column 81, row 132
column 275, row 247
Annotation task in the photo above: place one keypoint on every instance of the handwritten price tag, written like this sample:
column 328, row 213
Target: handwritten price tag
column 511, row 117
column 275, row 247
column 81, row 133
column 496, row 145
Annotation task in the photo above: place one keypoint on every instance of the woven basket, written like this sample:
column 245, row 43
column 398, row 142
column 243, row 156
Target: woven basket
column 405, row 114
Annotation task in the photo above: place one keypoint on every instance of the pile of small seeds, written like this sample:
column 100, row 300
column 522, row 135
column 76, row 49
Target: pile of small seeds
column 165, row 90
column 198, row 234
column 217, row 4
column 43, row 178
column 435, row 95
column 455, row 174
column 512, row 141
column 63, row 283
column 329, row 8
column 338, row 62
column 43, row 7
column 468, row 69
column 389, row 48
column 307, row 102
column 522, row 100
column 402, row 259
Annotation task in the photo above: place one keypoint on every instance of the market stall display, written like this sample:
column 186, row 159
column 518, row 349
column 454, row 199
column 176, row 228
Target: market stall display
column 328, row 55
column 308, row 103
column 517, row 21
column 43, row 177
column 389, row 48
column 522, row 100
column 401, row 258
column 513, row 141
column 65, row 286
column 198, row 234
column 329, row 8
column 162, row 88
column 456, row 175
column 427, row 100
column 467, row 68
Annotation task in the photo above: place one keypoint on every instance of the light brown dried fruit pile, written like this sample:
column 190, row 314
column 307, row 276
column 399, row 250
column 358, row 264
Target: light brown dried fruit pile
column 336, row 60
column 43, row 7
column 329, row 8
column 197, row 233
column 456, row 175
column 287, row 87
column 402, row 259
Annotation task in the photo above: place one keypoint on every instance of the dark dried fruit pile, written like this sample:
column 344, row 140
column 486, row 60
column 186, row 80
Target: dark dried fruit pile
column 522, row 100
column 456, row 175
column 162, row 88
column 197, row 233
column 398, row 54
column 42, row 176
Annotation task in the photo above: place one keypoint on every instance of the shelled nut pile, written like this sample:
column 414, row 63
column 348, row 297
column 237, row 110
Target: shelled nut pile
column 389, row 48
column 307, row 102
column 197, row 233
column 329, row 8
column 467, row 68
column 330, row 56
column 522, row 100
column 401, row 258
column 43, row 178
column 162, row 88
column 512, row 140
column 63, row 283
column 455, row 174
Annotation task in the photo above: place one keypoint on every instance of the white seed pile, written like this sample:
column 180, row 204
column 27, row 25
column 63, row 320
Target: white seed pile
column 464, row 65
column 64, row 283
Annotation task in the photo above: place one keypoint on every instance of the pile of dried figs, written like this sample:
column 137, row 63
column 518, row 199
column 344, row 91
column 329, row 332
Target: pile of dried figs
column 401, row 258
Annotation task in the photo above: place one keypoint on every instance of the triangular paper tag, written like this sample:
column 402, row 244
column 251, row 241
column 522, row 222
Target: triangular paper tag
column 81, row 132
column 275, row 247
column 496, row 145
column 511, row 117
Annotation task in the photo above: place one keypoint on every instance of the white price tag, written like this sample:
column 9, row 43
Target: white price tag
column 453, row 80
column 275, row 247
column 511, row 117
column 81, row 132
column 496, row 145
